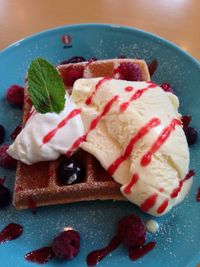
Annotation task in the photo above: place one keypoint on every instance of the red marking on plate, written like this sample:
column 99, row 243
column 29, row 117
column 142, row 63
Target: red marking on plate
column 66, row 39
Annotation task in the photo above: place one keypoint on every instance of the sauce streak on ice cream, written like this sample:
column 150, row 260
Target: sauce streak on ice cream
column 140, row 134
column 29, row 115
column 98, row 85
column 93, row 125
column 128, row 88
column 61, row 124
column 164, row 135
column 149, row 202
column 127, row 189
column 176, row 191
column 135, row 96
column 163, row 206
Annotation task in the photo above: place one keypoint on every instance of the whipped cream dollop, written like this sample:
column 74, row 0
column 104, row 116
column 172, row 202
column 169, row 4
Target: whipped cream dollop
column 138, row 139
column 47, row 136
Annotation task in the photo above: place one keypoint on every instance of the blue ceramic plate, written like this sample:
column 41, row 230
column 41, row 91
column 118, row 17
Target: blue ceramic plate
column 179, row 234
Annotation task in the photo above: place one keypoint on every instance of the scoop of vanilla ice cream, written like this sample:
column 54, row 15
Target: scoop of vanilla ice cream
column 113, row 133
column 29, row 147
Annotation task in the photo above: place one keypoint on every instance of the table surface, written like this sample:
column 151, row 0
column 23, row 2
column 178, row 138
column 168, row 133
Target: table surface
column 176, row 20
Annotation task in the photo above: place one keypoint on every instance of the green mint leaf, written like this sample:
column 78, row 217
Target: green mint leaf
column 45, row 87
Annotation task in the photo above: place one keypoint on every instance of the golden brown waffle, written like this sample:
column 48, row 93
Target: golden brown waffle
column 38, row 185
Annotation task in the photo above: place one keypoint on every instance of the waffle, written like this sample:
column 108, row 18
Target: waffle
column 38, row 184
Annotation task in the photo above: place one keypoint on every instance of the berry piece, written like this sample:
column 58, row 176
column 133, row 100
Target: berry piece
column 2, row 180
column 153, row 67
column 191, row 135
column 16, row 132
column 15, row 95
column 73, row 60
column 130, row 72
column 6, row 160
column 92, row 59
column 66, row 245
column 139, row 252
column 186, row 120
column 131, row 231
column 167, row 87
column 122, row 56
column 2, row 133
column 198, row 195
column 70, row 172
column 71, row 74
column 5, row 196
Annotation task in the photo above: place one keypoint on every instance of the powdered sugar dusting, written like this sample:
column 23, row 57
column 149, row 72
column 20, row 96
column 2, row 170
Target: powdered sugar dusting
column 178, row 235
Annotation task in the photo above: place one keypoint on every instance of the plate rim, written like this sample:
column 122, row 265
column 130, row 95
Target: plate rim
column 144, row 34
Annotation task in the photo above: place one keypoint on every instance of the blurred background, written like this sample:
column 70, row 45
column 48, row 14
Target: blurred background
column 175, row 20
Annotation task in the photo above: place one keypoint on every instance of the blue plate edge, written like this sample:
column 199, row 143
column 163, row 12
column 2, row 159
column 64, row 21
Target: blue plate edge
column 100, row 25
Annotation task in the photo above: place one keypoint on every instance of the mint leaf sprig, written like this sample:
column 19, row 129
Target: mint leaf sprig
column 45, row 87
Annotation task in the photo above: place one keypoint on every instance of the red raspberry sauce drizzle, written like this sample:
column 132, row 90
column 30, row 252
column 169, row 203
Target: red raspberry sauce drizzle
column 93, row 125
column 94, row 257
column 128, row 88
column 61, row 124
column 98, row 85
column 75, row 145
column 135, row 96
column 164, row 135
column 149, row 203
column 140, row 134
column 29, row 115
column 136, row 253
column 127, row 189
column 198, row 195
column 10, row 232
column 177, row 190
column 163, row 206
column 41, row 256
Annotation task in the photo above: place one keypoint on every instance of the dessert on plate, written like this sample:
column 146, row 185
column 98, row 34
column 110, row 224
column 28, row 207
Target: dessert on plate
column 115, row 137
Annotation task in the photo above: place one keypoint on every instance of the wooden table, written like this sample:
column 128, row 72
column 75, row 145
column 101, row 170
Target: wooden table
column 175, row 20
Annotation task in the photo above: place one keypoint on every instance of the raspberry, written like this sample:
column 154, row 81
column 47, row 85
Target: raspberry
column 153, row 67
column 71, row 74
column 16, row 132
column 15, row 95
column 130, row 72
column 167, row 87
column 2, row 133
column 191, row 135
column 73, row 60
column 6, row 161
column 131, row 231
column 122, row 56
column 5, row 196
column 66, row 245
column 92, row 59
column 186, row 120
column 190, row 132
